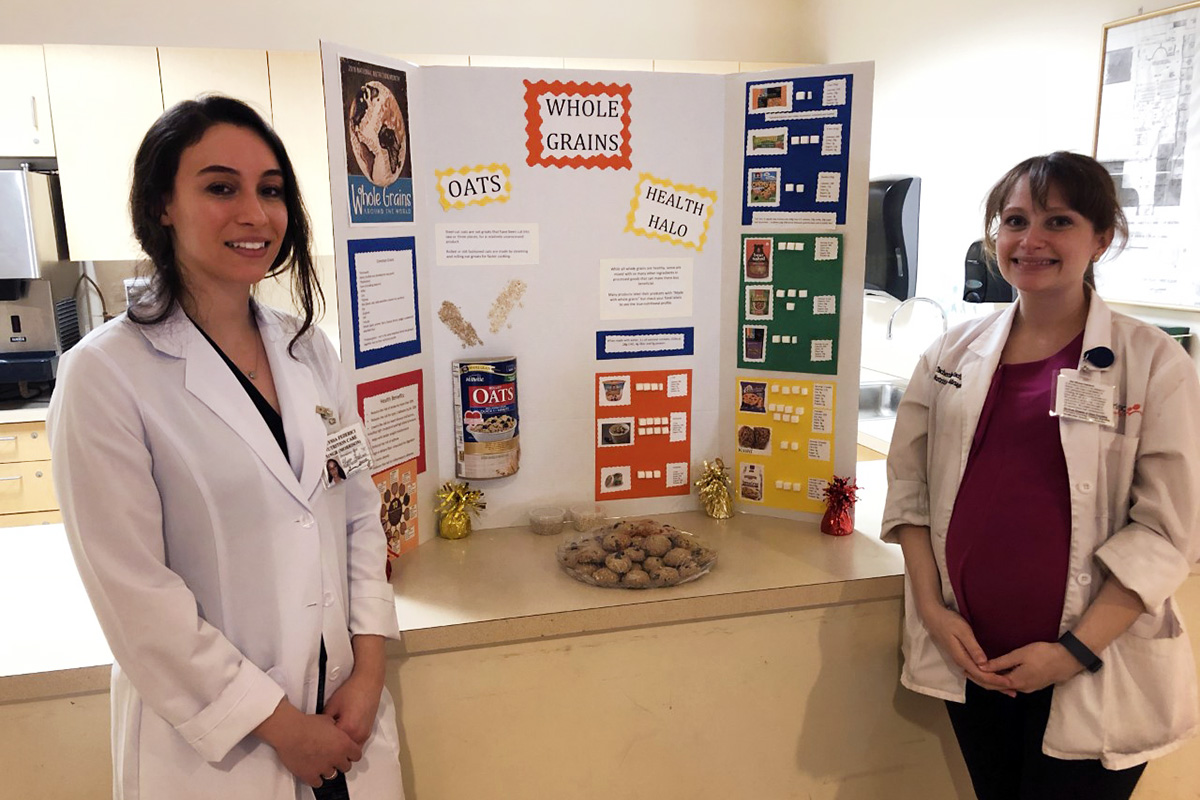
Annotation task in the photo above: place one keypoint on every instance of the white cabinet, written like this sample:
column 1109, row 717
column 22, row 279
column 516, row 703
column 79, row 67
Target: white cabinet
column 188, row 72
column 25, row 127
column 297, row 98
column 104, row 100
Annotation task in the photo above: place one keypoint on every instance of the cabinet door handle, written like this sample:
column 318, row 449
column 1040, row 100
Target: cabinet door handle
column 33, row 109
column 10, row 478
column 8, row 438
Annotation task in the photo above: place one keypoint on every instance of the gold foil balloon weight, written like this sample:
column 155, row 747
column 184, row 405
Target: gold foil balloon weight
column 715, row 490
column 456, row 503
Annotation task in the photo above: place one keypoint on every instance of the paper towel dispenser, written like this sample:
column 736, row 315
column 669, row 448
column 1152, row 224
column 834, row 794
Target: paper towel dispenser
column 983, row 282
column 893, row 208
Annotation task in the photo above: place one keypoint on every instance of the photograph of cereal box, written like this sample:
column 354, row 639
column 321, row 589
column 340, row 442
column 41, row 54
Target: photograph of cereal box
column 760, row 302
column 753, row 396
column 767, row 142
column 751, row 479
column 762, row 187
column 754, row 343
column 614, row 479
column 614, row 390
column 756, row 259
column 767, row 98
column 615, row 432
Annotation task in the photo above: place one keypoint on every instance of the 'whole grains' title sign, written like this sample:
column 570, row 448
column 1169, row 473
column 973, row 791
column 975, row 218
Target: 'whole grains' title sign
column 578, row 124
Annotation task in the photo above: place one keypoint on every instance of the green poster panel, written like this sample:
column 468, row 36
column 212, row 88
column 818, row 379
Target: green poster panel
column 790, row 302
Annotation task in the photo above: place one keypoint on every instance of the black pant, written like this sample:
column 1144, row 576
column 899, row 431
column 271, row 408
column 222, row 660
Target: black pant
column 1001, row 741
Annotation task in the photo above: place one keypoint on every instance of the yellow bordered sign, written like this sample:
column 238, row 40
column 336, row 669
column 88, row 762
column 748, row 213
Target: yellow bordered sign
column 675, row 213
column 473, row 186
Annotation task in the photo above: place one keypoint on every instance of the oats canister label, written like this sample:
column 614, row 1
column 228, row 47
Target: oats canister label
column 487, row 424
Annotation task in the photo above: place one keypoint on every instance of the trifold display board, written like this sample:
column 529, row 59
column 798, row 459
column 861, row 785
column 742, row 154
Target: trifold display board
column 674, row 261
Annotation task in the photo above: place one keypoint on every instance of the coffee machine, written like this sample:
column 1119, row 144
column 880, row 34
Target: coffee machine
column 39, row 318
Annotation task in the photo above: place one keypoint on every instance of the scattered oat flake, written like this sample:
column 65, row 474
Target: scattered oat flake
column 452, row 318
column 505, row 302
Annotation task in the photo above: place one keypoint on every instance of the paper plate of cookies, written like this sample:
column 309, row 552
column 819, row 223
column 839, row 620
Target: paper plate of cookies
column 641, row 554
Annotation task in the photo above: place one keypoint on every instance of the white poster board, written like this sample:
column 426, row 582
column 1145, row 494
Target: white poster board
column 589, row 224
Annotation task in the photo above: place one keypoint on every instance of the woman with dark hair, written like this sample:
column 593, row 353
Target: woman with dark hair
column 244, row 601
column 1042, row 483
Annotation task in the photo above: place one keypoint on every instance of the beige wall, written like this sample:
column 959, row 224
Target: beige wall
column 748, row 30
column 963, row 91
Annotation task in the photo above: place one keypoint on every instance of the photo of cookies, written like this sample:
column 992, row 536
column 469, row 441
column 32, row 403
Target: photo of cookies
column 753, row 396
column 754, row 439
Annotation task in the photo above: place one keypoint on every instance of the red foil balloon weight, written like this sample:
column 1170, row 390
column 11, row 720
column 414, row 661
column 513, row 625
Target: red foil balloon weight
column 840, row 495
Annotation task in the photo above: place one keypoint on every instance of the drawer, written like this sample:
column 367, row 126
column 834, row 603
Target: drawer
column 23, row 441
column 26, row 486
column 30, row 518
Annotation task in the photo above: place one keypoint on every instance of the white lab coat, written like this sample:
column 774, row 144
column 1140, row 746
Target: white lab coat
column 1135, row 513
column 214, row 570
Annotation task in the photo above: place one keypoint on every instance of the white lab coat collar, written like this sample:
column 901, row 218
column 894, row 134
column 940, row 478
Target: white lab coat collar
column 209, row 379
column 1097, row 330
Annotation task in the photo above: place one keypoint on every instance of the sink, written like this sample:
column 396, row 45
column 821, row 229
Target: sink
column 880, row 399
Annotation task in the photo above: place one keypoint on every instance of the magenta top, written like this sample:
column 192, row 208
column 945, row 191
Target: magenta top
column 1009, row 540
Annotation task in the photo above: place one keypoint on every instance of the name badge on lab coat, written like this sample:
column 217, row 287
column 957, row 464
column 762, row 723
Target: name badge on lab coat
column 346, row 452
column 1077, row 397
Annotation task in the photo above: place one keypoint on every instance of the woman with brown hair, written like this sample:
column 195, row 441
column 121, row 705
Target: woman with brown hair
column 1042, row 483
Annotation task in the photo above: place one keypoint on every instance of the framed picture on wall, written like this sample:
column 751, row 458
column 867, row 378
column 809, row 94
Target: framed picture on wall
column 1149, row 99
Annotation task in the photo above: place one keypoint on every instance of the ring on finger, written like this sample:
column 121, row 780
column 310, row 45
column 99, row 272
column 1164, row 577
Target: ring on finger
column 331, row 775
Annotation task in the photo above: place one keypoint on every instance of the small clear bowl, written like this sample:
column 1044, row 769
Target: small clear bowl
column 547, row 520
column 586, row 516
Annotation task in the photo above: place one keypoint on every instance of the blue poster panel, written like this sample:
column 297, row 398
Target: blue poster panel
column 383, row 299
column 797, row 150
column 644, row 343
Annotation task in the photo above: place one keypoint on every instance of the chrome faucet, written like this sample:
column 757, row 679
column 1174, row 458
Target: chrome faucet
column 936, row 304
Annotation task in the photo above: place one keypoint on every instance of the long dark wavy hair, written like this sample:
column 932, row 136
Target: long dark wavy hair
column 154, row 170
column 1085, row 185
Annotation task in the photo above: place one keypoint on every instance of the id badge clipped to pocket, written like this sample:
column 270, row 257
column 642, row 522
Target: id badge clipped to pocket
column 1078, row 397
column 346, row 452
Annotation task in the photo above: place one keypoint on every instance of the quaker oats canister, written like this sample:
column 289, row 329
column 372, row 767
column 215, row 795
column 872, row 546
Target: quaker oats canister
column 486, row 428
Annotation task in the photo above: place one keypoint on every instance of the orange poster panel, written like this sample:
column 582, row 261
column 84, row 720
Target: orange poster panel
column 643, row 433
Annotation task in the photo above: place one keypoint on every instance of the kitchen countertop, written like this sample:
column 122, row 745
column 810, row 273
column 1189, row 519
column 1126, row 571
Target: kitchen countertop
column 496, row 586
column 24, row 411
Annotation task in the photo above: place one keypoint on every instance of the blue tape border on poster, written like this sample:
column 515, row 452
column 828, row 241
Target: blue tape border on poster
column 686, row 349
column 392, row 352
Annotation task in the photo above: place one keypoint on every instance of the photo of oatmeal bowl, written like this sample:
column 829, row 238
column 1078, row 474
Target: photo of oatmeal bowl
column 615, row 433
column 493, row 429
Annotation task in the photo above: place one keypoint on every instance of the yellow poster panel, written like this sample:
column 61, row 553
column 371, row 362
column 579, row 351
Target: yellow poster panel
column 784, row 442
